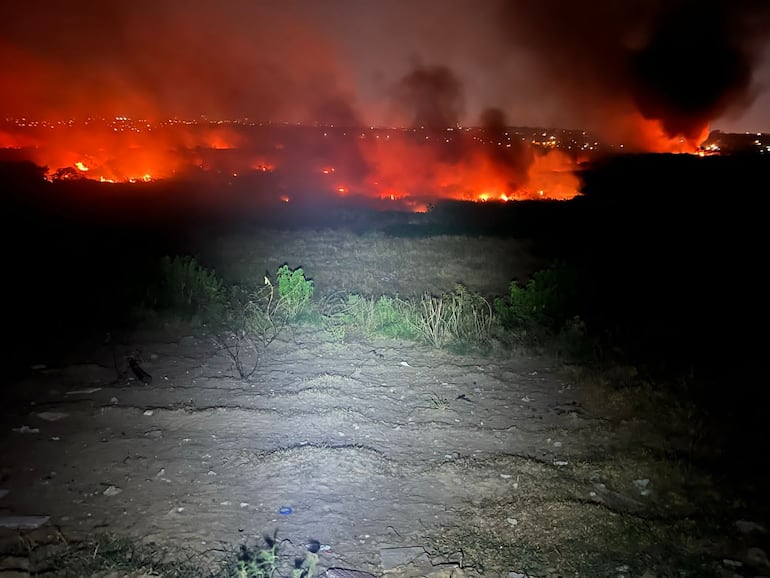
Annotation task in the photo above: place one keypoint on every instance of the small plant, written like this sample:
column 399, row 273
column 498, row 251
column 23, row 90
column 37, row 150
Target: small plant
column 258, row 564
column 431, row 321
column 549, row 299
column 188, row 289
column 255, row 318
column 458, row 316
column 294, row 292
column 394, row 317
column 575, row 344
column 439, row 402
column 269, row 560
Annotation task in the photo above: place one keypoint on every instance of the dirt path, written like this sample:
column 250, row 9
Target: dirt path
column 395, row 457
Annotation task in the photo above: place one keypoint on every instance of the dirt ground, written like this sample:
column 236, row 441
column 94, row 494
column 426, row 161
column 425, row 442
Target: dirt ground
column 391, row 457
column 397, row 458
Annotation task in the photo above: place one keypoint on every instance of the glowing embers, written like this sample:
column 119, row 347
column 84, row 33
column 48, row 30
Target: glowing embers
column 262, row 166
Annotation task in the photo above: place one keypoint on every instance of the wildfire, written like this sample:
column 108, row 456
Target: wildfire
column 405, row 168
column 648, row 135
column 474, row 175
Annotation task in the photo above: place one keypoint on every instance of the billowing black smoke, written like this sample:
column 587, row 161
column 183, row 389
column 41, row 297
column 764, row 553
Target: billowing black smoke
column 681, row 62
column 432, row 96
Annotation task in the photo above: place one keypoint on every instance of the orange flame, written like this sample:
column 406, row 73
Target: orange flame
column 405, row 168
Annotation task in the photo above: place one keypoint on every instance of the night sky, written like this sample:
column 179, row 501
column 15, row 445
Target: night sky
column 606, row 66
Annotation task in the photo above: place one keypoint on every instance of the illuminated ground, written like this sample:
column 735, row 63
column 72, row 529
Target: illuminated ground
column 511, row 462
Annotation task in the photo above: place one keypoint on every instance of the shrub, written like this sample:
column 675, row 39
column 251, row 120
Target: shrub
column 394, row 317
column 255, row 318
column 460, row 316
column 549, row 299
column 187, row 289
column 294, row 292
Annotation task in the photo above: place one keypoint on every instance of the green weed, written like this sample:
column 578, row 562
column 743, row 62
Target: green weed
column 187, row 289
column 549, row 299
column 294, row 292
column 270, row 560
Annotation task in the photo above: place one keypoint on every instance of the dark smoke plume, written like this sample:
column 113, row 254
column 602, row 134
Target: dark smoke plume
column 681, row 62
column 514, row 159
column 432, row 97
column 697, row 61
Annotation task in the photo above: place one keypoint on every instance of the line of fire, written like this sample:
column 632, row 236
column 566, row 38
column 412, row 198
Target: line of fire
column 394, row 168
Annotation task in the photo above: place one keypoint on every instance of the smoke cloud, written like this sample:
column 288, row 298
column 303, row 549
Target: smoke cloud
column 621, row 68
column 679, row 63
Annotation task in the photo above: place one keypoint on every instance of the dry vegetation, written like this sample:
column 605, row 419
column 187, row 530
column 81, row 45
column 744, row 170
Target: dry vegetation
column 373, row 264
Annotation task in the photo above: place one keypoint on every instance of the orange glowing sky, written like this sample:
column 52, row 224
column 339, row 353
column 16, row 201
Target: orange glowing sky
column 546, row 63
column 657, row 82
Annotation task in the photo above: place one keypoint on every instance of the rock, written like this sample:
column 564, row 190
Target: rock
column 747, row 527
column 52, row 415
column 757, row 557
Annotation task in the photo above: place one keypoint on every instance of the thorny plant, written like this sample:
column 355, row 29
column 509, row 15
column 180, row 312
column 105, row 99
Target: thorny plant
column 257, row 318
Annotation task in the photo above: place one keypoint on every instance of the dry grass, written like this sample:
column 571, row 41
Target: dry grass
column 374, row 263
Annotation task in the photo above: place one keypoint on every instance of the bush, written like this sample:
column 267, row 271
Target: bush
column 294, row 292
column 187, row 289
column 460, row 316
column 549, row 299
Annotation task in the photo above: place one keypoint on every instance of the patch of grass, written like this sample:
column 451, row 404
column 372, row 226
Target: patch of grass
column 386, row 316
column 108, row 554
column 439, row 401
column 246, row 321
column 458, row 316
column 347, row 313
